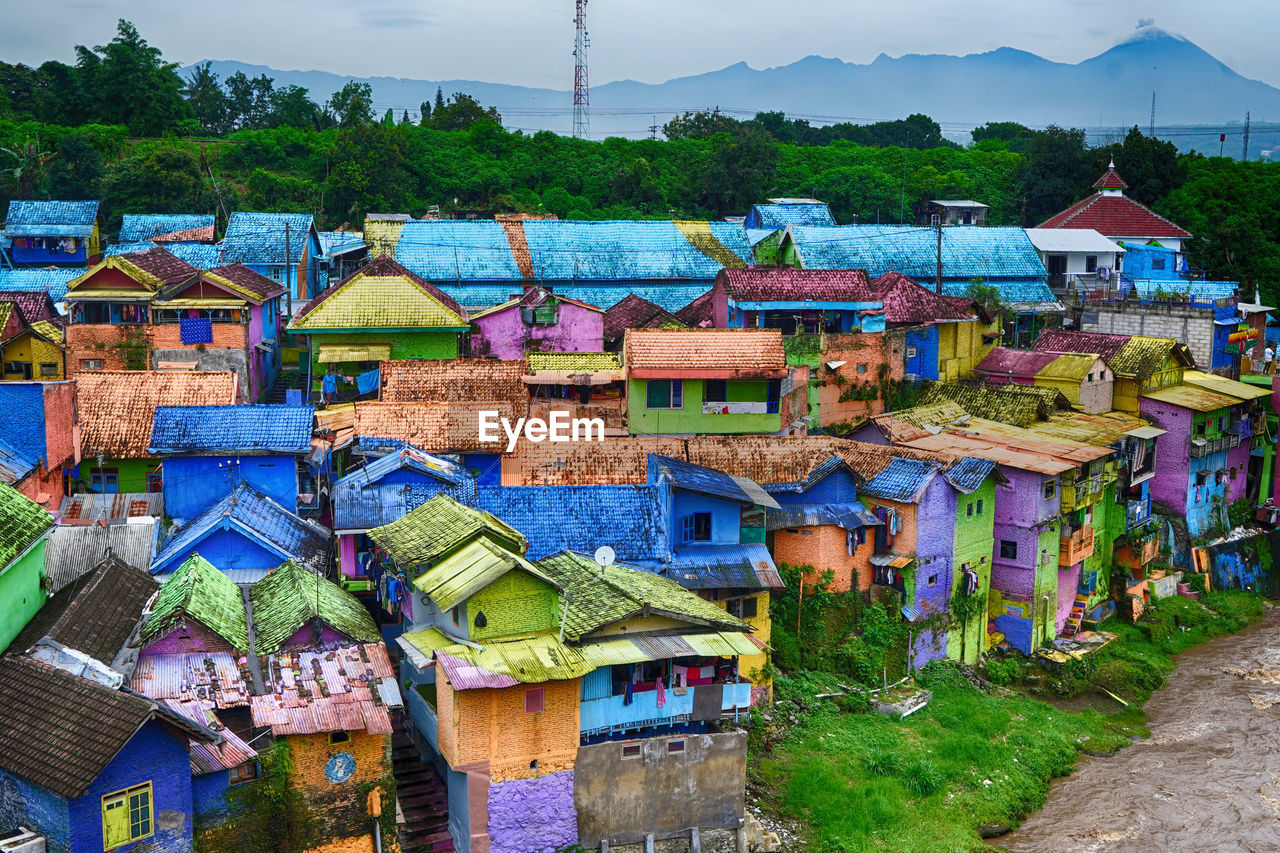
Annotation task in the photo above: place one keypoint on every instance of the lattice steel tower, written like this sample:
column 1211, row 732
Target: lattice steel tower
column 581, row 92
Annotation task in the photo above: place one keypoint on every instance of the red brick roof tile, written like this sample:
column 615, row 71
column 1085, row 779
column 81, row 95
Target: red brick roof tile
column 636, row 312
column 454, row 379
column 1110, row 180
column 907, row 301
column 117, row 407
column 788, row 284
column 1059, row 341
column 256, row 283
column 1115, row 216
column 748, row 351
column 697, row 314
column 161, row 264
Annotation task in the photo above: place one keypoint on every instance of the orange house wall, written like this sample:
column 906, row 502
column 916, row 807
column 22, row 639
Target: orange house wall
column 826, row 549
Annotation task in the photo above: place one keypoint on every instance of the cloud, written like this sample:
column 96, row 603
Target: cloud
column 1145, row 22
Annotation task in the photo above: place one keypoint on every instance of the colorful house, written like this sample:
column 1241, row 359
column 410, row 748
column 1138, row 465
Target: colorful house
column 778, row 213
column 208, row 450
column 797, row 301
column 24, row 527
column 1139, row 364
column 634, row 312
column 710, row 381
column 582, row 384
column 1117, row 217
column 281, row 246
column 39, row 422
column 32, row 337
column 117, row 410
column 537, row 320
column 1083, row 378
column 946, row 336
column 381, row 311
column 52, row 233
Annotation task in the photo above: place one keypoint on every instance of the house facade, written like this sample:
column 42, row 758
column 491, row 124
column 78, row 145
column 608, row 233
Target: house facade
column 281, row 246
column 537, row 320
column 40, row 421
column 52, row 233
column 25, row 526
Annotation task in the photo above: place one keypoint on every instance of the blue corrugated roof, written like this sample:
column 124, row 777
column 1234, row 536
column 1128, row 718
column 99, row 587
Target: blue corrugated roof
column 445, row 250
column 720, row 567
column 407, row 458
column 137, row 227
column 902, row 480
column 256, row 516
column 203, row 256
column 782, row 215
column 259, row 238
column 987, row 253
column 1011, row 290
column 36, row 218
column 337, row 242
column 51, row 281
column 850, row 516
column 13, row 465
column 581, row 518
column 707, row 481
column 361, row 507
column 631, row 250
column 275, row 428
column 969, row 473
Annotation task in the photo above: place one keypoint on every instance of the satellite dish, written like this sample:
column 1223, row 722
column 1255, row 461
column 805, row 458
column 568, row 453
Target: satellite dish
column 605, row 556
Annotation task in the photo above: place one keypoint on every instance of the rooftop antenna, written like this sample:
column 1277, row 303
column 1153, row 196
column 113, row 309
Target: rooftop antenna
column 581, row 92
column 1246, row 137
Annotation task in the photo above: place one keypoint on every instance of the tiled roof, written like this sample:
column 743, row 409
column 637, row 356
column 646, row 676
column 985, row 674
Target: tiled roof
column 788, row 284
column 1196, row 288
column 199, row 592
column 74, row 549
column 440, row 427
column 291, row 597
column 261, row 428
column 1019, row 363
column 1072, row 366
column 407, row 459
column 55, row 334
column 381, row 295
column 203, row 256
column 50, row 281
column 907, row 301
column 906, row 424
column 439, row 526
column 259, row 238
column 635, row 312
column 161, row 265
column 581, row 518
column 117, row 407
column 255, row 515
column 137, row 227
column 602, row 597
column 1142, row 356
column 969, row 473
column 967, row 253
column 37, row 218
column 1024, row 294
column 35, row 305
column 22, row 523
column 1017, row 405
column 697, row 314
column 439, row 380
column 573, row 362
column 1115, row 216
column 720, row 567
column 61, row 731
column 152, row 269
column 707, row 481
column 256, row 286
column 1055, row 340
column 13, row 464
column 95, row 615
column 1110, row 180
column 901, row 480
column 752, row 351
column 793, row 213
column 345, row 689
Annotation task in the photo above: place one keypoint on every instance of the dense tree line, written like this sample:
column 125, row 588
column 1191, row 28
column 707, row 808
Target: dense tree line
column 123, row 126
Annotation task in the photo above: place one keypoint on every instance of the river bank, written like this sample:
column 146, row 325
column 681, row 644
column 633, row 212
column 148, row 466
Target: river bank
column 976, row 756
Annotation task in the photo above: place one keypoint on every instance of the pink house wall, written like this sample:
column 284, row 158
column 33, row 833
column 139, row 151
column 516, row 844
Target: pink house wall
column 1068, row 582
column 504, row 334
column 347, row 555
column 303, row 638
column 187, row 638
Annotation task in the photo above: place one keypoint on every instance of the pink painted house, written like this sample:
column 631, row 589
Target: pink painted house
column 537, row 320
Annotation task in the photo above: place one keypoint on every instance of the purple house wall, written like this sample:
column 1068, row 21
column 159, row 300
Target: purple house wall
column 935, row 524
column 1025, row 519
column 503, row 333
column 1169, row 485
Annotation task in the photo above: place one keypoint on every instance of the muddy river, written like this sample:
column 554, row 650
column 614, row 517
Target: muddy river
column 1208, row 778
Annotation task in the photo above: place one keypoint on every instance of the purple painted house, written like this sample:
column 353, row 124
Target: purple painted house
column 536, row 321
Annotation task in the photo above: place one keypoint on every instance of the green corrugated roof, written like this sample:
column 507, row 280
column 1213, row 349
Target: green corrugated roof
column 291, row 596
column 469, row 569
column 436, row 528
column 199, row 591
column 22, row 522
column 1142, row 356
column 944, row 412
column 596, row 600
column 1072, row 366
column 573, row 362
column 530, row 660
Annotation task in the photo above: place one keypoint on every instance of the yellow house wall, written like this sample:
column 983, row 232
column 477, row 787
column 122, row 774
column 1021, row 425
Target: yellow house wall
column 752, row 666
column 961, row 348
column 29, row 348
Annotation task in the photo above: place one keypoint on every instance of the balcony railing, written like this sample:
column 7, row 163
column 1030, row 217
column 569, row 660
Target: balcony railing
column 1084, row 491
column 1136, row 513
column 1134, row 557
column 612, row 714
column 1201, row 447
column 1076, row 547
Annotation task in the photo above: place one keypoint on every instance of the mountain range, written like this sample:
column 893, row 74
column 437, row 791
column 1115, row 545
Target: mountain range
column 1113, row 89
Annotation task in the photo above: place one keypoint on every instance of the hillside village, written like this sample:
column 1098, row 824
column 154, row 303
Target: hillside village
column 268, row 582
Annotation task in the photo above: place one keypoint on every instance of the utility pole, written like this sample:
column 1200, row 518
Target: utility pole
column 1246, row 137
column 654, row 128
column 581, row 91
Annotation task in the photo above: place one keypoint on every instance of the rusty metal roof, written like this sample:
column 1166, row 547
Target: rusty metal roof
column 349, row 688
column 1192, row 397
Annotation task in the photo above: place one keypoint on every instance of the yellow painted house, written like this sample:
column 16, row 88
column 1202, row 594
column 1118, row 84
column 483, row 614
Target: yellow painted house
column 962, row 345
column 37, row 352
column 1140, row 364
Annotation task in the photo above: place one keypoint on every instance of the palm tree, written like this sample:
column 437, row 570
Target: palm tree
column 29, row 167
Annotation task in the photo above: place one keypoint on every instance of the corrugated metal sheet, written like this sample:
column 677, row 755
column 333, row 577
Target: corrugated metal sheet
column 723, row 644
column 707, row 481
column 118, row 506
column 1223, row 385
column 72, row 550
column 339, row 689
column 464, row 675
column 663, row 647
column 721, row 567
column 468, row 569
column 850, row 516
column 214, row 678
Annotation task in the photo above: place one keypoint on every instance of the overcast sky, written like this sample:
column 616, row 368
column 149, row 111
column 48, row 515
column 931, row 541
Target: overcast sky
column 529, row 42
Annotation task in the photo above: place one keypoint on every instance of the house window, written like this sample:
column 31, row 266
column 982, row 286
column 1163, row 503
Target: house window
column 336, row 738
column 276, row 273
column 242, row 773
column 933, row 580
column 105, row 480
column 969, row 510
column 631, row 750
column 675, row 746
column 534, row 700
column 1090, row 377
column 155, row 482
column 1202, row 478
column 1090, row 263
column 22, row 368
column 862, row 368
column 1233, row 472
column 1157, row 263
column 456, row 614
column 696, row 527
column 979, row 506
column 90, row 364
column 715, row 391
column 1050, row 489
column 48, row 368
column 1200, row 427
column 1008, row 549
column 664, row 394
column 127, row 816
column 743, row 608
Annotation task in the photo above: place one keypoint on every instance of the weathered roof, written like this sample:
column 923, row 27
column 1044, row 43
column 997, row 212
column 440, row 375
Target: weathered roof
column 74, row 549
column 96, row 614
column 704, row 566
column 334, row 243
column 1115, row 216
column 1009, row 445
column 381, row 295
column 165, row 227
column 85, row 507
column 50, row 281
column 259, row 238
column 1103, row 429
column 22, row 523
column 1194, row 397
column 254, row 286
column 291, row 597
column 1014, row 404
column 439, row 427
column 636, row 312
column 361, row 502
column 465, row 571
column 1071, row 366
column 440, row 379
column 203, row 256
column 439, row 526
column 1072, row 240
column 1198, row 289
column 248, row 428
column 967, row 253
column 35, row 305
column 1059, row 340
column 581, row 518
column 707, row 481
column 788, row 284
column 573, row 362
column 1020, row 363
column 531, row 298
column 117, row 407
column 345, row 689
column 907, row 301
column 14, row 465
column 151, row 269
column 61, row 731
column 1142, row 356
column 969, row 473
column 200, row 592
column 902, row 480
column 1223, row 385
column 50, row 218
column 258, row 517
column 696, row 315
column 793, row 212
column 751, row 352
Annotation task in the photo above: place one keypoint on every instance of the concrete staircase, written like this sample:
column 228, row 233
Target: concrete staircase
column 423, row 813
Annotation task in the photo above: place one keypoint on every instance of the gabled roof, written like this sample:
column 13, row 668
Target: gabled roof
column 35, row 305
column 361, row 502
column 967, row 253
column 14, row 465
column 452, row 379
column 788, row 284
column 1110, row 180
column 96, row 614
column 50, row 218
column 744, row 352
column 439, row 427
column 118, row 407
column 1142, row 356
column 902, row 480
column 531, row 298
column 261, row 519
column 254, row 286
column 439, row 526
column 600, row 597
column 907, row 301
column 203, row 256
column 1071, row 366
column 22, row 523
column 1017, row 363
column 381, row 295
column 61, row 731
column 259, row 238
column 697, row 314
column 152, row 270
column 164, row 227
column 1115, row 216
column 465, row 571
column 582, row 518
column 248, row 428
column 406, row 458
column 50, row 281
column 1061, row 340
column 792, row 211
column 636, row 312
column 1017, row 405
column 200, row 592
column 76, row 549
column 706, row 481
column 291, row 597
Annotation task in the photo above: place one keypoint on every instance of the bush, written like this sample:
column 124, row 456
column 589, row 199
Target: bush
column 883, row 762
column 922, row 777
column 1004, row 671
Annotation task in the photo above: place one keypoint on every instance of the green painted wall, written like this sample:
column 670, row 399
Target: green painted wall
column 1044, row 625
column 132, row 473
column 1108, row 526
column 21, row 593
column 974, row 544
column 690, row 419
column 516, row 603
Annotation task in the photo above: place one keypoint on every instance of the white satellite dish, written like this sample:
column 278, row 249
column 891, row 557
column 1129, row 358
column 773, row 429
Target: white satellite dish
column 605, row 556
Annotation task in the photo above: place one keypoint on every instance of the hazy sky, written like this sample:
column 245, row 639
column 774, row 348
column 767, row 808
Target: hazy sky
column 530, row 42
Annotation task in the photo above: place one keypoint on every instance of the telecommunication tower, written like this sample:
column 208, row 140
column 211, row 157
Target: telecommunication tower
column 581, row 92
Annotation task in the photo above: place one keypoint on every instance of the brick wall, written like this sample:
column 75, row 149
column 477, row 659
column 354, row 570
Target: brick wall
column 62, row 438
column 339, row 807
column 83, row 341
column 826, row 548
column 491, row 725
column 225, row 336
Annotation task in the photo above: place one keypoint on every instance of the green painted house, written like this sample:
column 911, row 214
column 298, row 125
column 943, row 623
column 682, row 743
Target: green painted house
column 971, row 550
column 24, row 527
column 381, row 311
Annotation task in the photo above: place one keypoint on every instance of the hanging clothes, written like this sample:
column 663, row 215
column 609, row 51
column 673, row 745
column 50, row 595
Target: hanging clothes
column 679, row 680
column 367, row 382
column 662, row 693
column 626, row 693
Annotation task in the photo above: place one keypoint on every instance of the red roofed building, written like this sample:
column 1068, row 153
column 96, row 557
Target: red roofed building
column 795, row 300
column 1117, row 217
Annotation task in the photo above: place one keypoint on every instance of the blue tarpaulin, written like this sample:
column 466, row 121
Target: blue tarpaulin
column 195, row 330
column 367, row 382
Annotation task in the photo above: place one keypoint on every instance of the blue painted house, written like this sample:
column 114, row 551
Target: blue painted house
column 282, row 246
column 245, row 535
column 52, row 233
column 109, row 770
column 796, row 301
column 208, row 450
